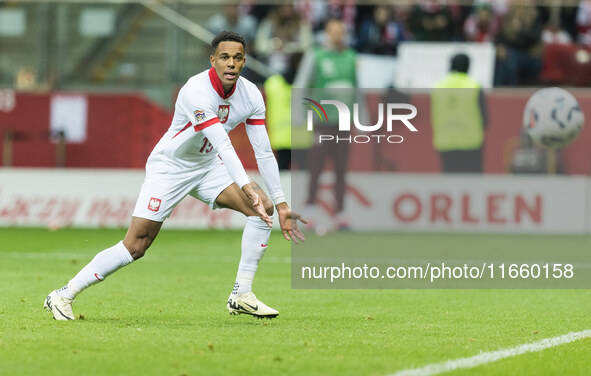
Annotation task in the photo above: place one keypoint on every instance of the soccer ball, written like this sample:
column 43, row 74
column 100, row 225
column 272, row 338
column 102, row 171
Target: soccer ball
column 552, row 118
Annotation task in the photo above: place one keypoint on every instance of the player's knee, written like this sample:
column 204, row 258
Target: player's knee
column 139, row 247
column 137, row 252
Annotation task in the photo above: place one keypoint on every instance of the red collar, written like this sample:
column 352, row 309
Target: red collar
column 217, row 84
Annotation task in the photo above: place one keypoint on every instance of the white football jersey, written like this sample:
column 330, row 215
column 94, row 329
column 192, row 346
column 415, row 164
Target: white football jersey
column 201, row 102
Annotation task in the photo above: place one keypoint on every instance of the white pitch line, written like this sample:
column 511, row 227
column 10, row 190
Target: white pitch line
column 489, row 357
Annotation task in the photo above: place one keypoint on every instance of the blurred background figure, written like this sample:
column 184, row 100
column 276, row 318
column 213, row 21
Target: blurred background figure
column 481, row 25
column 316, row 12
column 554, row 33
column 235, row 17
column 519, row 52
column 232, row 19
column 432, row 21
column 278, row 99
column 329, row 67
column 282, row 33
column 380, row 34
column 583, row 21
column 458, row 117
column 25, row 79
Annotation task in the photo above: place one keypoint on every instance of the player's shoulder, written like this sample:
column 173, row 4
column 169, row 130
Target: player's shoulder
column 198, row 82
column 249, row 90
column 197, row 86
column 248, row 86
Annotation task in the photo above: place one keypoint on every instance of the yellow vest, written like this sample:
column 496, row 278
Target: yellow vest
column 455, row 113
column 283, row 134
column 278, row 117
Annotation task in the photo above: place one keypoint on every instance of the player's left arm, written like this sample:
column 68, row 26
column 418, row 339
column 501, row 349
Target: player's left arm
column 267, row 164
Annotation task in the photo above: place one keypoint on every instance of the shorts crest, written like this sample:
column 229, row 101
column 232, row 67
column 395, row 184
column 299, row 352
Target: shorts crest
column 154, row 204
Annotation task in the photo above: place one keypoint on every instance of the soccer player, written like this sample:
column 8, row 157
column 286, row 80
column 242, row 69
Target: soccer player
column 195, row 157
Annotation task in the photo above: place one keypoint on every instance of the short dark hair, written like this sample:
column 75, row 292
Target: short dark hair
column 226, row 36
column 460, row 63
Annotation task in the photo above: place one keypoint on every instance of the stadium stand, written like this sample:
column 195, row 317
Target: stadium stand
column 46, row 52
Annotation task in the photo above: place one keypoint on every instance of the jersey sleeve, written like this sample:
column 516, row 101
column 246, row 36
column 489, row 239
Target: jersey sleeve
column 257, row 116
column 259, row 139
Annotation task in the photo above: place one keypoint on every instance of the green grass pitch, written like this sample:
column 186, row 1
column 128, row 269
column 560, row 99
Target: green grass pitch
column 166, row 315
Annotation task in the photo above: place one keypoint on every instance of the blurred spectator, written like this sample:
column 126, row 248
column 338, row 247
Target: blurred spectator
column 316, row 12
column 584, row 22
column 332, row 66
column 25, row 79
column 519, row 52
column 563, row 17
column 553, row 33
column 343, row 10
column 282, row 33
column 401, row 14
column 481, row 25
column 432, row 22
column 458, row 117
column 231, row 19
column 380, row 34
column 499, row 7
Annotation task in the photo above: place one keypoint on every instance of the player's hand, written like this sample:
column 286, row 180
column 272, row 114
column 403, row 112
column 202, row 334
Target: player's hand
column 257, row 204
column 288, row 220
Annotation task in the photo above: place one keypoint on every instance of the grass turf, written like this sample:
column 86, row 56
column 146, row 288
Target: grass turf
column 166, row 315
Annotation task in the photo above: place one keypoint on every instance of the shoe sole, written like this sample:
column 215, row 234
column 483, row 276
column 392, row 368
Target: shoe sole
column 268, row 317
column 236, row 309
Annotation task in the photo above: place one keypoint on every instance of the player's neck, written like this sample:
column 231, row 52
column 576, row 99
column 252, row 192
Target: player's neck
column 336, row 47
column 223, row 91
column 228, row 89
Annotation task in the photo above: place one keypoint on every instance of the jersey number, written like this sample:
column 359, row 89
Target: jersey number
column 207, row 146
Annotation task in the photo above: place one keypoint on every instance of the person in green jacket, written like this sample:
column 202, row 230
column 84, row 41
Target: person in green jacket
column 329, row 67
column 458, row 118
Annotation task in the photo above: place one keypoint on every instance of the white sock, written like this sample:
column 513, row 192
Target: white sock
column 254, row 244
column 102, row 265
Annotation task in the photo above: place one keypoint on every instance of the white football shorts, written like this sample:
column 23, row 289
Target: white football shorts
column 160, row 195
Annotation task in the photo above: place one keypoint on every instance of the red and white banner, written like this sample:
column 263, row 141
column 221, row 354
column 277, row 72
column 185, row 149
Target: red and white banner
column 90, row 198
column 459, row 203
column 374, row 201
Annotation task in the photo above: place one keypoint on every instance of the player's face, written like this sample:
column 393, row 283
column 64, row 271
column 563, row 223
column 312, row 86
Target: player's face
column 228, row 61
